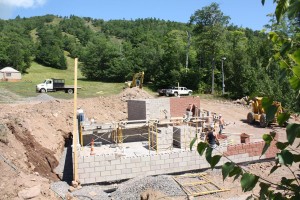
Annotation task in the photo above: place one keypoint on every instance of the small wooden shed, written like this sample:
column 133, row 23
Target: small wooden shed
column 10, row 74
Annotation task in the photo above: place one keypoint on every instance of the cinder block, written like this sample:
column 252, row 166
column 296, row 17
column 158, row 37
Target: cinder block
column 135, row 160
column 83, row 165
column 88, row 159
column 103, row 163
column 177, row 160
column 125, row 160
column 94, row 164
column 154, row 167
column 183, row 154
column 111, row 167
column 130, row 165
column 94, row 174
column 90, row 180
column 99, row 158
column 165, row 166
column 89, row 169
column 145, row 158
column 116, row 172
column 100, row 179
column 83, row 176
column 105, row 173
column 174, row 165
column 136, row 170
column 111, row 178
column 183, row 164
column 168, row 161
column 110, row 157
column 147, row 168
column 126, row 171
column 80, row 159
column 174, row 155
column 123, row 166
column 154, row 157
column 116, row 162
column 80, row 170
column 99, row 169
column 160, row 162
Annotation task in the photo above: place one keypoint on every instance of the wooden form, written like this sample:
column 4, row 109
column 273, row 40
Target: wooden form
column 197, row 184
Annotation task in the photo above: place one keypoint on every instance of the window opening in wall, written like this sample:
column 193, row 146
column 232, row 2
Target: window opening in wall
column 8, row 74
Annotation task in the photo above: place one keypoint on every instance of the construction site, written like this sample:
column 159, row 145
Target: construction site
column 130, row 146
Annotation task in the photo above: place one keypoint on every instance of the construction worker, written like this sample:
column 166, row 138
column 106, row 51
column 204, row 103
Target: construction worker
column 80, row 118
column 212, row 137
column 221, row 124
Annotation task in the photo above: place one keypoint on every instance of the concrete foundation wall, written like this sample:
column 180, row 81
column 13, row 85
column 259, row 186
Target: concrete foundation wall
column 109, row 167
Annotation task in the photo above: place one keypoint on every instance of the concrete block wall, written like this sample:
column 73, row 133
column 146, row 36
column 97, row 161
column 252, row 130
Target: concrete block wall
column 164, row 138
column 158, row 108
column 149, row 109
column 136, row 109
column 108, row 167
column 183, row 135
column 178, row 106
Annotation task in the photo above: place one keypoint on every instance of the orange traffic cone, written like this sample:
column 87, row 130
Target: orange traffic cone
column 92, row 148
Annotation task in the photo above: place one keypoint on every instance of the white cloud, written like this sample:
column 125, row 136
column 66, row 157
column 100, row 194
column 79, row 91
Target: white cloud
column 22, row 3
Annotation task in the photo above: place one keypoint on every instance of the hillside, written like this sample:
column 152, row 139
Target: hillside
column 112, row 51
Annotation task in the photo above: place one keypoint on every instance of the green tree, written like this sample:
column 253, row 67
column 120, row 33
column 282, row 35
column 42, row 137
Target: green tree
column 210, row 25
column 49, row 51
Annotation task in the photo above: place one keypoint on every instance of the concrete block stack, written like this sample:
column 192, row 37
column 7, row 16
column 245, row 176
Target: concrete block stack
column 164, row 138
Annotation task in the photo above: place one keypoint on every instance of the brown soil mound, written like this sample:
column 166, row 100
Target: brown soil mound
column 42, row 160
column 134, row 93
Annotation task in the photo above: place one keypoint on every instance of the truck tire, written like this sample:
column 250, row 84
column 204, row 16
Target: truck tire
column 263, row 121
column 42, row 90
column 190, row 94
column 250, row 118
column 175, row 94
column 70, row 91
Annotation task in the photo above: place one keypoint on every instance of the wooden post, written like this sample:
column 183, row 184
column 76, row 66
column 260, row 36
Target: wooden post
column 75, row 125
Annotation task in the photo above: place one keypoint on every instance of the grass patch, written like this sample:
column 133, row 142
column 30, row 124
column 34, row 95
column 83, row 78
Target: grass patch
column 37, row 74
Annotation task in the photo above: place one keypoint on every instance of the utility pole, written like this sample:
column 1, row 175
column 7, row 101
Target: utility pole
column 213, row 77
column 223, row 84
column 187, row 51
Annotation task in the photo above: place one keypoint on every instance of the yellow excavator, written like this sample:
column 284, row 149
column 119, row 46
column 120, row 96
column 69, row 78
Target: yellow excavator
column 137, row 80
column 258, row 112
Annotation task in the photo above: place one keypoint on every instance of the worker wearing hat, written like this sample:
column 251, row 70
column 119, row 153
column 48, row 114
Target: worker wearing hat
column 221, row 124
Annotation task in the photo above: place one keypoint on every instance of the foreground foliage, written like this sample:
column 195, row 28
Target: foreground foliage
column 287, row 54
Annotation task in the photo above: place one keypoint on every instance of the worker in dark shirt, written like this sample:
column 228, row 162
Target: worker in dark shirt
column 212, row 137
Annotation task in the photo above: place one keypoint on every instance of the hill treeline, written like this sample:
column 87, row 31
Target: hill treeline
column 168, row 52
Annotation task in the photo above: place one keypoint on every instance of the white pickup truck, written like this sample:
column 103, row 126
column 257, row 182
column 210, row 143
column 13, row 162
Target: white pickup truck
column 178, row 91
column 53, row 85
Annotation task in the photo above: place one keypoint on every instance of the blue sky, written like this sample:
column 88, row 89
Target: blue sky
column 245, row 13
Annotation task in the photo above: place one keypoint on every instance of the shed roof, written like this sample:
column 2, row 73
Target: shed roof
column 9, row 69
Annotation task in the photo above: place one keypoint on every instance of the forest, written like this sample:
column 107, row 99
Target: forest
column 192, row 54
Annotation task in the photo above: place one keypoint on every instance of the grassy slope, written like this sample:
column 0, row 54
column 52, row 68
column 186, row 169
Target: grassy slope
column 38, row 73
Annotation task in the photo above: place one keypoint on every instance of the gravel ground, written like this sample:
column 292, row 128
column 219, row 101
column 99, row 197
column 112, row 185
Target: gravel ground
column 129, row 190
column 132, row 189
column 40, row 98
column 91, row 192
column 60, row 188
